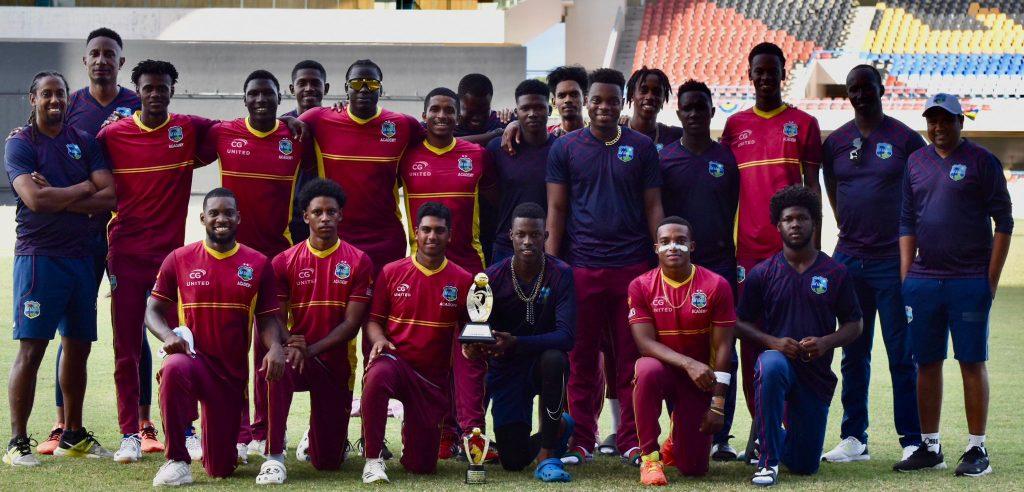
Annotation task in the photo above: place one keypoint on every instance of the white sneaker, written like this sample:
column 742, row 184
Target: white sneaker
column 302, row 450
column 130, row 450
column 909, row 450
column 243, row 453
column 766, row 476
column 272, row 472
column 19, row 453
column 848, row 450
column 374, row 471
column 173, row 473
column 258, row 447
column 194, row 445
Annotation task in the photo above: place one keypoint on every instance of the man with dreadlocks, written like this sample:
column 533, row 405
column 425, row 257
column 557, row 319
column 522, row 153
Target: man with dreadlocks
column 647, row 91
column 59, row 177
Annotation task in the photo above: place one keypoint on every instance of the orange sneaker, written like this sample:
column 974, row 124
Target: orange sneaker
column 449, row 446
column 652, row 470
column 667, row 453
column 51, row 443
column 150, row 443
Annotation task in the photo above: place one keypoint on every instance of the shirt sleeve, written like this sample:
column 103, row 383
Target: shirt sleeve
column 558, row 165
column 416, row 130
column 207, row 147
column 997, row 196
column 914, row 141
column 811, row 152
column 639, row 309
column 652, row 167
column 381, row 304
column 166, row 287
column 847, row 307
column 202, row 127
column 563, row 336
column 723, row 313
column 94, row 156
column 266, row 300
column 284, row 285
column 362, row 281
column 751, row 305
column 726, row 138
column 19, row 158
column 827, row 159
column 908, row 209
column 489, row 178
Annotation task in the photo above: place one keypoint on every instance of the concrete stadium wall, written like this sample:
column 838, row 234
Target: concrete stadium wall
column 211, row 74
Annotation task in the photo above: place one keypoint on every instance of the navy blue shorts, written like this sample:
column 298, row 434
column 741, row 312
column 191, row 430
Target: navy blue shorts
column 939, row 308
column 512, row 388
column 54, row 294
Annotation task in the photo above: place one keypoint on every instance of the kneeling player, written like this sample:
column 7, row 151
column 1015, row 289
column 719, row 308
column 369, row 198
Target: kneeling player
column 682, row 318
column 534, row 321
column 325, row 285
column 417, row 313
column 220, row 286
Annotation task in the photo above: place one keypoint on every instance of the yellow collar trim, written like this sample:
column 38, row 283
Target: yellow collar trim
column 259, row 134
column 438, row 150
column 768, row 114
column 676, row 285
column 363, row 121
column 426, row 271
column 217, row 254
column 324, row 253
column 137, row 117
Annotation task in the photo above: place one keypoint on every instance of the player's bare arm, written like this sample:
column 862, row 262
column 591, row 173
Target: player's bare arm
column 156, row 321
column 747, row 331
column 355, row 312
column 103, row 200
column 50, row 199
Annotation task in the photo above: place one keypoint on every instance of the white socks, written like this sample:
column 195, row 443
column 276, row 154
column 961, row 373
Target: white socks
column 613, row 405
column 932, row 441
column 973, row 440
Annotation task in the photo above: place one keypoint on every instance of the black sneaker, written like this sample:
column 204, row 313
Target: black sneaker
column 974, row 463
column 922, row 459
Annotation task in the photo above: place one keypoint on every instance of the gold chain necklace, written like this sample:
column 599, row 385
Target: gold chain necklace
column 618, row 135
column 664, row 290
column 530, row 312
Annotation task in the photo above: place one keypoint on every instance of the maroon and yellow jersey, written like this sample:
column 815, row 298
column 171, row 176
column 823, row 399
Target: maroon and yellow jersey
column 772, row 151
column 683, row 313
column 454, row 177
column 422, row 312
column 362, row 156
column 319, row 285
column 261, row 169
column 153, row 180
column 218, row 295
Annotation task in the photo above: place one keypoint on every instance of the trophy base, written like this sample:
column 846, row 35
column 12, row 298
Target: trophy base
column 477, row 333
column 476, row 474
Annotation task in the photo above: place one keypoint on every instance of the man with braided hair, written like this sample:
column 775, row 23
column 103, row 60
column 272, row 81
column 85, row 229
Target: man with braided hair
column 647, row 91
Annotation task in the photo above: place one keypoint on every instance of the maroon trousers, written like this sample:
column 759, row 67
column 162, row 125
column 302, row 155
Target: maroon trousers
column 656, row 383
column 258, row 430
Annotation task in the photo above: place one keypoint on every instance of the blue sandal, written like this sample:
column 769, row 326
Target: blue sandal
column 552, row 470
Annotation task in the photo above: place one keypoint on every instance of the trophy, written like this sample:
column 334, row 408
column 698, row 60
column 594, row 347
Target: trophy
column 476, row 455
column 479, row 303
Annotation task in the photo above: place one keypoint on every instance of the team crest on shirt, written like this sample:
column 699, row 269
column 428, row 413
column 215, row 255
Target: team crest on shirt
column 958, row 172
column 625, row 153
column 388, row 129
column 465, row 164
column 819, row 284
column 123, row 111
column 245, row 272
column 31, row 309
column 741, row 274
column 175, row 134
column 342, row 270
column 790, row 129
column 285, row 146
column 74, row 151
column 716, row 169
column 883, row 150
column 450, row 293
column 909, row 312
column 699, row 300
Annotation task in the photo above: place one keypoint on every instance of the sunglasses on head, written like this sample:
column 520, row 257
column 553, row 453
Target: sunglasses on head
column 855, row 153
column 358, row 84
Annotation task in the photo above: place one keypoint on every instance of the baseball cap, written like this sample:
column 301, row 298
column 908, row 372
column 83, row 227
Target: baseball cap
column 945, row 101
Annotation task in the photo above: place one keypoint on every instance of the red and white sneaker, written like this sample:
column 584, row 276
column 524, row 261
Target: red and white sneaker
column 51, row 443
column 150, row 442
column 449, row 446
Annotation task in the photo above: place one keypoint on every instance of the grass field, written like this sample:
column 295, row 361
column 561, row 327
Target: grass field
column 1005, row 435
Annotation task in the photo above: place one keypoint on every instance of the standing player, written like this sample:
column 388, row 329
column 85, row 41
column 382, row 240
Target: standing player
column 950, row 264
column 219, row 286
column 604, row 202
column 477, row 122
column 418, row 310
column 863, row 162
column 534, row 319
column 309, row 86
column 521, row 176
column 454, row 173
column 682, row 317
column 568, row 86
column 775, row 146
column 702, row 185
column 325, row 287
column 790, row 305
column 647, row 91
column 152, row 155
column 59, row 176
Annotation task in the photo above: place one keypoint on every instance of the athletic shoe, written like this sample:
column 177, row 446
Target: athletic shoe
column 150, row 443
column 974, row 463
column 848, row 450
column 257, row 448
column 130, row 450
column 607, row 446
column 909, row 450
column 272, row 472
column 385, row 453
column 19, row 452
column 652, row 470
column 723, row 452
column 632, row 457
column 751, row 456
column 81, row 444
column 449, row 446
column 375, row 470
column 577, row 456
column 194, row 445
column 302, row 450
column 243, row 454
column 766, row 476
column 173, row 473
column 922, row 459
column 668, row 453
column 51, row 443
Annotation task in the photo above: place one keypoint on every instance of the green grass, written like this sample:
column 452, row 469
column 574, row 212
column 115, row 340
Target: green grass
column 1005, row 437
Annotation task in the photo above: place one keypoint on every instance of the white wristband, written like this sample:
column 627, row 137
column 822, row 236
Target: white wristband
column 723, row 377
